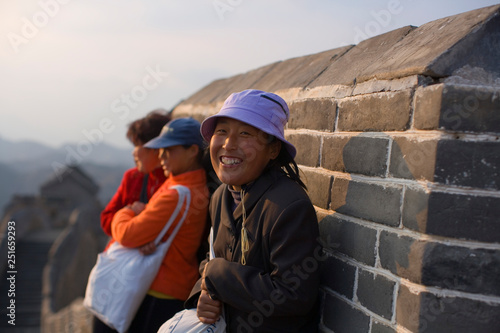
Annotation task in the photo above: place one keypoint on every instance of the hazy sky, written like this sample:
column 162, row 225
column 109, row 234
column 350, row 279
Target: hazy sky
column 73, row 68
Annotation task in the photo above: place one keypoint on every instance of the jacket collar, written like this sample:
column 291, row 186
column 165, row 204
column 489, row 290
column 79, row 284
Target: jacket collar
column 157, row 173
column 250, row 199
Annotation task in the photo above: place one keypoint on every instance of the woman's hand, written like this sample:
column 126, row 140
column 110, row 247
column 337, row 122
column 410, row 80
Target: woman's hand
column 137, row 207
column 208, row 309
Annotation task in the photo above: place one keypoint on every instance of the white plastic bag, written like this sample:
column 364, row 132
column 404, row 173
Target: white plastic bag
column 122, row 276
column 186, row 321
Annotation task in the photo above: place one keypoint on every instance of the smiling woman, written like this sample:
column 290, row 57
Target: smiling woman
column 259, row 215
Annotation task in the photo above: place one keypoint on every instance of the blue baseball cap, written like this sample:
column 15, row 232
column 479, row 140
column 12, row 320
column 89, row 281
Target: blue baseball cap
column 180, row 131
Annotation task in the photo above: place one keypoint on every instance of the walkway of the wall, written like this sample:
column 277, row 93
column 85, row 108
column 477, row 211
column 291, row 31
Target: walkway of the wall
column 398, row 138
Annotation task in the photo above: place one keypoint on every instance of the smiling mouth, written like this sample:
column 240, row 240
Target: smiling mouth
column 230, row 160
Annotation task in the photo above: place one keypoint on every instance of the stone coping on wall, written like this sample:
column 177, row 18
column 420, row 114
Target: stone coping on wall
column 393, row 60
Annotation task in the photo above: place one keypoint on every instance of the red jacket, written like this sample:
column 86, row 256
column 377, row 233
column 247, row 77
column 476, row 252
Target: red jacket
column 179, row 270
column 128, row 192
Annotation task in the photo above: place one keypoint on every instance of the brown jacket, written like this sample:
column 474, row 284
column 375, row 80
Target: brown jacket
column 277, row 289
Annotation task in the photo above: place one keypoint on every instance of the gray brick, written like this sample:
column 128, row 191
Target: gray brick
column 381, row 328
column 458, row 108
column 469, row 217
column 427, row 104
column 358, row 154
column 351, row 239
column 307, row 146
column 401, row 255
column 313, row 114
column 373, row 202
column 438, row 265
column 415, row 210
column 338, row 276
column 332, row 153
column 426, row 312
column 459, row 268
column 413, row 158
column 341, row 317
column 318, row 187
column 375, row 112
column 465, row 163
column 376, row 293
column 470, row 109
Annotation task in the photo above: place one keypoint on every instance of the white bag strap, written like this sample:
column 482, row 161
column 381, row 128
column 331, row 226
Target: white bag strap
column 184, row 195
column 212, row 252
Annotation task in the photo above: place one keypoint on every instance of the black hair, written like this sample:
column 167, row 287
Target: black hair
column 149, row 127
column 286, row 162
column 204, row 159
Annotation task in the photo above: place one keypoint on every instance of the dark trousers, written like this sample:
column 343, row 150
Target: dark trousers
column 152, row 313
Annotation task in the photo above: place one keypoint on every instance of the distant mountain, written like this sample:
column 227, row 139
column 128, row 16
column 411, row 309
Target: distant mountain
column 70, row 153
column 25, row 165
column 22, row 150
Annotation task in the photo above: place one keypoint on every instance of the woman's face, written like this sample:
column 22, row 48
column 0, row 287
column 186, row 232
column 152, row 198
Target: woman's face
column 240, row 152
column 179, row 159
column 146, row 159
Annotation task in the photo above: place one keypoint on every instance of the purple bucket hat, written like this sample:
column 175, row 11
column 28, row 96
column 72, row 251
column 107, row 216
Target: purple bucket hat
column 263, row 110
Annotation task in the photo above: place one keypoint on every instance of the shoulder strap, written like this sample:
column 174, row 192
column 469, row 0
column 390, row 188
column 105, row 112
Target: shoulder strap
column 144, row 190
column 184, row 195
column 211, row 238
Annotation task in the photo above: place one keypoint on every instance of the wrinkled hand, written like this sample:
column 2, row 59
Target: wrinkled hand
column 149, row 248
column 137, row 207
column 208, row 309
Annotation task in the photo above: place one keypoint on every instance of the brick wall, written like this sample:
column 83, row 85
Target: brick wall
column 398, row 142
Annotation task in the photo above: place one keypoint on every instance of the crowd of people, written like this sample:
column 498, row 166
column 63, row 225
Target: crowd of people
column 263, row 223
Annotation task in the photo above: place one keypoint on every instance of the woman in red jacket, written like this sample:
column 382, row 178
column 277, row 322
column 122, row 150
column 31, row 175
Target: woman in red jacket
column 148, row 168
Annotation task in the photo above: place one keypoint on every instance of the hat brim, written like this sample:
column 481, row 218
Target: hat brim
column 162, row 142
column 253, row 119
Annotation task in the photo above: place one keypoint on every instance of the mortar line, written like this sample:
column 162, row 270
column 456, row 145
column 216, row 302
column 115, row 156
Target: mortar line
column 394, row 300
column 389, row 153
column 337, row 112
column 413, row 133
column 377, row 255
column 320, row 157
column 355, row 286
column 401, row 206
column 417, row 289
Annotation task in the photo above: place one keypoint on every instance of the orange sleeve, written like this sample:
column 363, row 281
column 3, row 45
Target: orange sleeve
column 138, row 230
